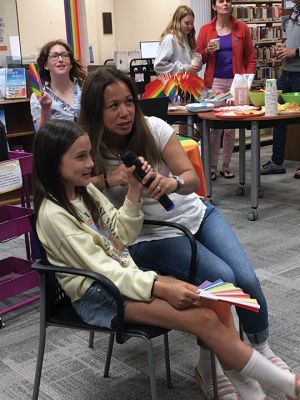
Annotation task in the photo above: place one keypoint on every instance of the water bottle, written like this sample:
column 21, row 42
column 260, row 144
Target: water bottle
column 271, row 98
column 241, row 91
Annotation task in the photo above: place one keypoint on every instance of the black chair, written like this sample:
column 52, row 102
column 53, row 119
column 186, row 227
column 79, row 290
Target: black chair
column 139, row 70
column 157, row 107
column 56, row 310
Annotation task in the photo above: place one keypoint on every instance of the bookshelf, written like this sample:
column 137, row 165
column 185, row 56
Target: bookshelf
column 263, row 18
column 19, row 125
column 20, row 134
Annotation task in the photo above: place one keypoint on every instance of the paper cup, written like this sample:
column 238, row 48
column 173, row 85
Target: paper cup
column 216, row 42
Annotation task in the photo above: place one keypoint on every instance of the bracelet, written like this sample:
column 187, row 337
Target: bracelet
column 105, row 181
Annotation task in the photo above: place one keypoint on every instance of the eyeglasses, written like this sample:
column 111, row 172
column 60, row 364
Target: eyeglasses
column 54, row 56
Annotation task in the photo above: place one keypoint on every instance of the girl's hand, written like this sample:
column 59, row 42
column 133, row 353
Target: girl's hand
column 45, row 101
column 179, row 294
column 135, row 187
column 118, row 176
column 160, row 185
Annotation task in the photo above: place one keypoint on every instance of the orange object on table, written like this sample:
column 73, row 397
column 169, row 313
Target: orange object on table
column 191, row 148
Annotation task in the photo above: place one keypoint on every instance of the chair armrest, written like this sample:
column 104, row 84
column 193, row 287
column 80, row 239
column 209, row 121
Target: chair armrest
column 106, row 283
column 190, row 238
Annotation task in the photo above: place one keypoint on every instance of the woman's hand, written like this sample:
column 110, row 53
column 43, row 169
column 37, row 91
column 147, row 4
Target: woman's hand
column 212, row 47
column 160, row 185
column 179, row 294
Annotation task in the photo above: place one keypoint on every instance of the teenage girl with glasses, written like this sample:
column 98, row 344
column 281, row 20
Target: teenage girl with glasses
column 62, row 77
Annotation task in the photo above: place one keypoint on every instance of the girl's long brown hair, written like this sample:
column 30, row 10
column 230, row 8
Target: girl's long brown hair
column 77, row 71
column 173, row 27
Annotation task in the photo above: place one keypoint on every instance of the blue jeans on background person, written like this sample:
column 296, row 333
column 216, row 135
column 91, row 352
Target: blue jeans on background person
column 288, row 82
column 219, row 256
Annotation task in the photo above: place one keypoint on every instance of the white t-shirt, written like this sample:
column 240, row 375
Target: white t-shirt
column 189, row 209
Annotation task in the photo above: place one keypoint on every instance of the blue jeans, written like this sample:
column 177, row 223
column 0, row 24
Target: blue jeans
column 219, row 255
column 288, row 82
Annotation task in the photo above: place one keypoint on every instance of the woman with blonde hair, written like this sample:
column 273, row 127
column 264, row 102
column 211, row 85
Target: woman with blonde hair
column 178, row 43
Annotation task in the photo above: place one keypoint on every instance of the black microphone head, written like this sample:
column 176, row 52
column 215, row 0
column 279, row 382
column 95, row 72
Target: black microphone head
column 128, row 158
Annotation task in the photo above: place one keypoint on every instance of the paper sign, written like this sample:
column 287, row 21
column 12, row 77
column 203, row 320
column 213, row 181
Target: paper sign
column 10, row 176
column 249, row 78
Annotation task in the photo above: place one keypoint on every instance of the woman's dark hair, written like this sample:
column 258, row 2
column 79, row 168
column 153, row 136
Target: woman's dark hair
column 76, row 71
column 140, row 140
column 50, row 144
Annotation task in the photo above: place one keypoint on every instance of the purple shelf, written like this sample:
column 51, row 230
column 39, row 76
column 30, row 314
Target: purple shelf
column 16, row 276
column 25, row 160
column 14, row 221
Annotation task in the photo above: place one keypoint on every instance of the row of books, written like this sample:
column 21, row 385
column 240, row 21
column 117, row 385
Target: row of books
column 263, row 73
column 266, row 13
column 13, row 83
column 266, row 53
column 265, row 33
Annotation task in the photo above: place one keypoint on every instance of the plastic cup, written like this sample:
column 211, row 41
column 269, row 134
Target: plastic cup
column 196, row 60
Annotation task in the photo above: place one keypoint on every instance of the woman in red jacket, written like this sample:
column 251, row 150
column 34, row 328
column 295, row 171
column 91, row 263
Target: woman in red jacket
column 234, row 54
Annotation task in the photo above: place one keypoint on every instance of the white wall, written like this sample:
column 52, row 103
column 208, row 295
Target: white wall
column 133, row 21
column 40, row 21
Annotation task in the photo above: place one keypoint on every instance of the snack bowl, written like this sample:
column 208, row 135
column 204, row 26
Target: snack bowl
column 257, row 97
column 291, row 97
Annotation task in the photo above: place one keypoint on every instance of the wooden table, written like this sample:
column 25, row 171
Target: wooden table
column 190, row 118
column 212, row 121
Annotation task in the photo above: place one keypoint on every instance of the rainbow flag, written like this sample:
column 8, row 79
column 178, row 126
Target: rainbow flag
column 154, row 89
column 171, row 88
column 35, row 80
column 72, row 27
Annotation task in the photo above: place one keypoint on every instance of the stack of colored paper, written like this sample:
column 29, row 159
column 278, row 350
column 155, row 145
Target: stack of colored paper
column 227, row 292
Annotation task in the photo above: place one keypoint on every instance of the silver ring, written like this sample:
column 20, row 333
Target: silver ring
column 158, row 188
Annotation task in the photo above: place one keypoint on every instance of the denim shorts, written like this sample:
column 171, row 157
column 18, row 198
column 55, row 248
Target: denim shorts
column 96, row 307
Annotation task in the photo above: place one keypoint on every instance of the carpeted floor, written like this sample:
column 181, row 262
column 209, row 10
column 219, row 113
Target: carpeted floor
column 74, row 372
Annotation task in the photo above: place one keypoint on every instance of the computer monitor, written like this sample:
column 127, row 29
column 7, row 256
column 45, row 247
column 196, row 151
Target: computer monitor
column 149, row 49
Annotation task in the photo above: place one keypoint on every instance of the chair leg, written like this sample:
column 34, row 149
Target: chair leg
column 91, row 339
column 108, row 355
column 167, row 359
column 39, row 363
column 214, row 374
column 151, row 365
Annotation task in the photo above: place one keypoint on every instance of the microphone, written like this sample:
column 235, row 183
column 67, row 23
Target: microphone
column 130, row 159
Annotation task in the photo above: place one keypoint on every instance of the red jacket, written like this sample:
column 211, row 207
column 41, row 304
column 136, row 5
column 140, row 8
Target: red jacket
column 243, row 51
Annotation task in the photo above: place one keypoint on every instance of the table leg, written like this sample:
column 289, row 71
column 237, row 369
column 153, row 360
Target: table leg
column 190, row 126
column 242, row 162
column 255, row 169
column 205, row 154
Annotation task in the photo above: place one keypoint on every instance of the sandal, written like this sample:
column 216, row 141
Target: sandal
column 227, row 174
column 226, row 390
column 213, row 175
column 297, row 173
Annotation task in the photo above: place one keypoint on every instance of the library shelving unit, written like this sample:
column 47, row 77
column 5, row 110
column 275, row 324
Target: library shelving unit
column 263, row 18
column 20, row 134
column 16, row 275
